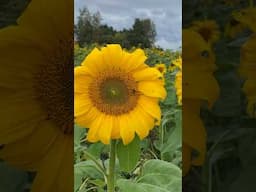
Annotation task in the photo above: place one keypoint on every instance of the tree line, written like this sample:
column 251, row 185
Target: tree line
column 89, row 29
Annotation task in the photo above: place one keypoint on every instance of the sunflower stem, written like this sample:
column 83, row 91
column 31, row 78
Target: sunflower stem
column 250, row 3
column 161, row 139
column 112, row 162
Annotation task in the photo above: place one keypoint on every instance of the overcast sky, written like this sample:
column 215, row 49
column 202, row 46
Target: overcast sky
column 166, row 14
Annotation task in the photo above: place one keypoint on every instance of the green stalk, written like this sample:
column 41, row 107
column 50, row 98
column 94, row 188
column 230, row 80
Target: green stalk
column 161, row 139
column 251, row 3
column 112, row 162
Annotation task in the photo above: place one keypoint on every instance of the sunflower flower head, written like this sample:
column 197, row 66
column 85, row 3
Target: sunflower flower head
column 208, row 29
column 247, row 17
column 247, row 70
column 233, row 28
column 161, row 68
column 117, row 95
column 176, row 64
column 198, row 84
column 178, row 86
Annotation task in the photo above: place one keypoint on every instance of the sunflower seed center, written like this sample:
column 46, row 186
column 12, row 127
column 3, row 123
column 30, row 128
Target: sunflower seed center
column 114, row 92
column 54, row 87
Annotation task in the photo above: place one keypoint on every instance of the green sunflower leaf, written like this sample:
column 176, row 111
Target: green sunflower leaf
column 157, row 175
column 128, row 155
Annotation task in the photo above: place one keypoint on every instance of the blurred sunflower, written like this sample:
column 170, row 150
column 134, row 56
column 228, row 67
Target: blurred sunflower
column 247, row 17
column 208, row 29
column 36, row 128
column 247, row 70
column 161, row 68
column 198, row 68
column 231, row 2
column 177, row 63
column 178, row 78
column 117, row 95
column 178, row 86
column 194, row 135
column 233, row 28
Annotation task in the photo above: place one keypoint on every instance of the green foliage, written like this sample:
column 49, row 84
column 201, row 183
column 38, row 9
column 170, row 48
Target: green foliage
column 156, row 175
column 10, row 10
column 128, row 155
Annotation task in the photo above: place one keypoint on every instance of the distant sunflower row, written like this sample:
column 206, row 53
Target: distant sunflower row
column 199, row 84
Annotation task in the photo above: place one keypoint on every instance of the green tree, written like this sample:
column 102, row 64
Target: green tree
column 143, row 33
column 87, row 27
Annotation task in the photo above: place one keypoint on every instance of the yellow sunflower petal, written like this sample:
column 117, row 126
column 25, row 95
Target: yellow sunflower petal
column 82, row 104
column 194, row 134
column 11, row 129
column 42, row 138
column 67, row 170
column 94, row 62
column 86, row 119
column 105, row 129
column 134, row 61
column 142, row 125
column 152, row 89
column 127, row 133
column 150, row 105
column 100, row 129
column 115, row 134
column 208, row 90
column 49, row 18
column 116, row 53
column 51, row 164
column 147, row 74
column 82, row 79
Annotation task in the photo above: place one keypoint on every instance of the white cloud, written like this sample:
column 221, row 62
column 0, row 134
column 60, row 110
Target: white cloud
column 120, row 14
column 165, row 44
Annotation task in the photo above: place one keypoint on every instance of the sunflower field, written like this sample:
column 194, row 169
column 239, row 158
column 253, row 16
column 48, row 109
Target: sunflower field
column 151, row 164
column 227, row 30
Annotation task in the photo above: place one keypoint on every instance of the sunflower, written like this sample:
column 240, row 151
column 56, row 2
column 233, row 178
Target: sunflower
column 198, row 84
column 161, row 67
column 208, row 29
column 36, row 128
column 247, row 70
column 117, row 95
column 194, row 135
column 178, row 86
column 178, row 79
column 177, row 63
column 247, row 17
column 233, row 28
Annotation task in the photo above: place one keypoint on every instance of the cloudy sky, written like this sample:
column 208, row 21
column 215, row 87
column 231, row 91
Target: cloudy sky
column 166, row 14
